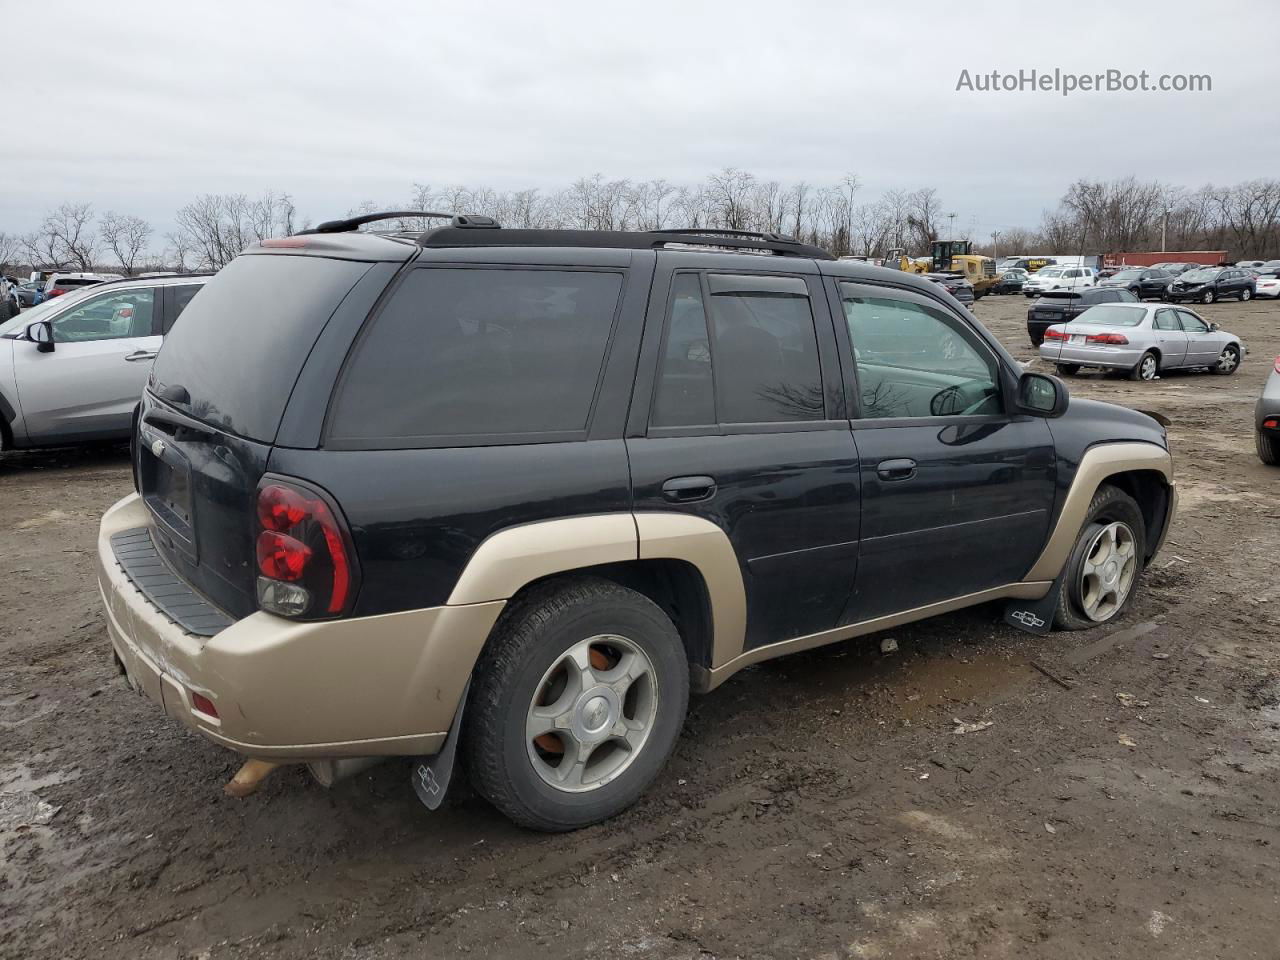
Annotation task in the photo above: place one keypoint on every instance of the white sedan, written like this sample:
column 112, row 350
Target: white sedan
column 1267, row 285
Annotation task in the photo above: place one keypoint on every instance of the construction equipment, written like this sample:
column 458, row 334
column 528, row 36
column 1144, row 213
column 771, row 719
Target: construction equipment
column 897, row 259
column 956, row 256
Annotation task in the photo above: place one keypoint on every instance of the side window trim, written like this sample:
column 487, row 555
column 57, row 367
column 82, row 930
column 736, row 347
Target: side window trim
column 853, row 396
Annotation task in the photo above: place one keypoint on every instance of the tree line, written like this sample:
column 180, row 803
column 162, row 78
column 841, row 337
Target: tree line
column 1092, row 216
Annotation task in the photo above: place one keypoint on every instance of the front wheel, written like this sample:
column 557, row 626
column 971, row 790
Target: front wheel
column 1104, row 565
column 1228, row 361
column 1208, row 297
column 1148, row 368
column 575, row 705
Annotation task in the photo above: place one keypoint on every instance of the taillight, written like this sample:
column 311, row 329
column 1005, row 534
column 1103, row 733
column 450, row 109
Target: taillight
column 56, row 292
column 1277, row 364
column 1052, row 334
column 1113, row 338
column 1271, row 423
column 304, row 554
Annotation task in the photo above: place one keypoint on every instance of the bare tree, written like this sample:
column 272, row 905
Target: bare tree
column 126, row 236
column 10, row 246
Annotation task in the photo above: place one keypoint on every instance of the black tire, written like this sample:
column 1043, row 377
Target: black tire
column 1268, row 448
column 1109, row 505
column 7, row 311
column 1068, row 369
column 1208, row 297
column 1223, row 368
column 1147, row 368
column 532, row 635
column 1246, row 295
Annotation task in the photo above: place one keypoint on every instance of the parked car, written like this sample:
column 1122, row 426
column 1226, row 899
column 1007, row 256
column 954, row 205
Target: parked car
column 480, row 490
column 72, row 369
column 31, row 292
column 1143, row 282
column 1267, row 283
column 1011, row 281
column 1030, row 264
column 1266, row 416
column 60, row 283
column 1111, row 271
column 1254, row 264
column 1143, row 339
column 1207, row 284
column 1059, row 278
column 1271, row 266
column 956, row 285
column 10, row 303
column 1061, row 306
column 1176, row 267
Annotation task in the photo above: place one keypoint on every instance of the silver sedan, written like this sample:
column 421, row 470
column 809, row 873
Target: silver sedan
column 1266, row 416
column 1141, row 339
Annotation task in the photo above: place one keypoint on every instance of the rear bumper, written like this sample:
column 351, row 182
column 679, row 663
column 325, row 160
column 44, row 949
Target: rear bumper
column 369, row 686
column 1121, row 358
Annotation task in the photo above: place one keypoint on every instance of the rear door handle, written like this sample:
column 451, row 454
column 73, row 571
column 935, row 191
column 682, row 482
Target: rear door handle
column 903, row 469
column 689, row 489
column 141, row 355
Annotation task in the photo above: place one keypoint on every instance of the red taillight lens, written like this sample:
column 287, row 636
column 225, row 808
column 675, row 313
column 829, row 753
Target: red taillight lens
column 1277, row 364
column 1271, row 423
column 204, row 704
column 1054, row 335
column 280, row 508
column 56, row 292
column 304, row 553
column 281, row 557
column 1113, row 338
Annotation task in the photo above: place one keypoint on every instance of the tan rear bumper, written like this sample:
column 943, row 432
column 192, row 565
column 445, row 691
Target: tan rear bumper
column 369, row 686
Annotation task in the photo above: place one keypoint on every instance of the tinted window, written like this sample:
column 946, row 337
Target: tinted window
column 479, row 352
column 242, row 342
column 917, row 361
column 66, row 283
column 765, row 350
column 182, row 296
column 1191, row 323
column 112, row 316
column 685, row 394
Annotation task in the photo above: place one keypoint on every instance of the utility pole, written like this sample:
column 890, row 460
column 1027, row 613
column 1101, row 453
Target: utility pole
column 951, row 228
column 1164, row 230
column 995, row 244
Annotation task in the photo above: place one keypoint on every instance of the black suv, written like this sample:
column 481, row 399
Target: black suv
column 512, row 494
column 1063, row 306
column 1207, row 284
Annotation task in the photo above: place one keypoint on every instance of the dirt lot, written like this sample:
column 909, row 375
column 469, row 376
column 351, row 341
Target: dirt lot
column 818, row 806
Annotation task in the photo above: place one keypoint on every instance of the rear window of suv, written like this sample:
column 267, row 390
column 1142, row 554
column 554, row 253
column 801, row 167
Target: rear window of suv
column 242, row 342
column 466, row 355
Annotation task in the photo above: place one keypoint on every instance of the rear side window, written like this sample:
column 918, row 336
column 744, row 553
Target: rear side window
column 242, row 342
column 467, row 353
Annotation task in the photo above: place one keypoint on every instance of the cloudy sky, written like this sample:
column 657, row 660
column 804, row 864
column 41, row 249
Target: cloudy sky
column 139, row 107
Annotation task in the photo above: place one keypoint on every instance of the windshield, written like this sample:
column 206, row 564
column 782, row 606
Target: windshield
column 1113, row 315
column 14, row 326
column 1200, row 276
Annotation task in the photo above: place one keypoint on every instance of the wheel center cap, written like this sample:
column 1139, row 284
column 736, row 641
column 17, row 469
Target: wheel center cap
column 595, row 714
column 1110, row 570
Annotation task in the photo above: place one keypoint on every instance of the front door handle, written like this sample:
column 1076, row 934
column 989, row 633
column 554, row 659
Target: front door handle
column 689, row 489
column 903, row 469
column 141, row 355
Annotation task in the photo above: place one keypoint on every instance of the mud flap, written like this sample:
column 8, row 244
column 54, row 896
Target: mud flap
column 1034, row 616
column 431, row 775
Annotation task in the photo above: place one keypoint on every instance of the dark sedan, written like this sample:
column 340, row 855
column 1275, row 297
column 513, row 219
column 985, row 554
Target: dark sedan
column 956, row 285
column 1011, row 281
column 1207, row 284
column 1143, row 282
column 1063, row 306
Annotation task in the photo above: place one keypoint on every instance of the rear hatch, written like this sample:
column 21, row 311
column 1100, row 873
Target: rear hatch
column 213, row 407
column 1055, row 305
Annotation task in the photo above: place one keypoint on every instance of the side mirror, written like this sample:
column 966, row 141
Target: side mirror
column 1213, row 328
column 41, row 334
column 1041, row 395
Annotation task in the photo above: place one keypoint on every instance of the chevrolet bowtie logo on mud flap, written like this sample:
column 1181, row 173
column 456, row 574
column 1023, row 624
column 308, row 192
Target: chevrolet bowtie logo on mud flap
column 427, row 780
column 1027, row 619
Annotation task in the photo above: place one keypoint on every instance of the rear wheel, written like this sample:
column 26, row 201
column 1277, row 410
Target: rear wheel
column 1246, row 294
column 1104, row 566
column 1068, row 369
column 1148, row 368
column 1268, row 448
column 1228, row 361
column 576, row 704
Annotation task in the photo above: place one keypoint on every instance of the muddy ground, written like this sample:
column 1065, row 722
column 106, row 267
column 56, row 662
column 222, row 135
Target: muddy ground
column 818, row 806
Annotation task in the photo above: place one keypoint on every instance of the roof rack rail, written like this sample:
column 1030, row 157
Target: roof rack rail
column 354, row 223
column 623, row 239
column 716, row 232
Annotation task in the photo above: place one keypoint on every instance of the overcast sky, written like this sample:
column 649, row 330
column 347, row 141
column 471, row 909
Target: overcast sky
column 139, row 107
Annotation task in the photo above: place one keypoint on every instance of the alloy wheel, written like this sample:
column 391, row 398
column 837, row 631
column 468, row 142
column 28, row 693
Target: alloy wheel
column 591, row 713
column 1147, row 369
column 1107, row 574
column 1227, row 360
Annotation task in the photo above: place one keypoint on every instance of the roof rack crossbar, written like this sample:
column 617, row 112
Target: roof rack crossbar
column 354, row 223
